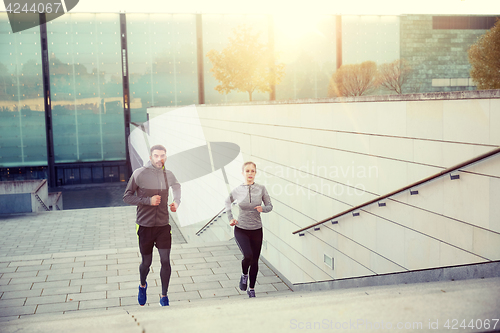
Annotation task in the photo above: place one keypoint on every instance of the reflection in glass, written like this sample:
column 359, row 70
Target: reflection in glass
column 162, row 61
column 22, row 119
column 307, row 45
column 370, row 38
column 86, row 87
column 86, row 74
column 216, row 31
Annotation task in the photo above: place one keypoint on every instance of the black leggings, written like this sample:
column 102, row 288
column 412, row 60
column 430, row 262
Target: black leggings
column 250, row 243
column 161, row 237
column 165, row 271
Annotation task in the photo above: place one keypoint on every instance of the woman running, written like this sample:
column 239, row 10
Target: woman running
column 248, row 226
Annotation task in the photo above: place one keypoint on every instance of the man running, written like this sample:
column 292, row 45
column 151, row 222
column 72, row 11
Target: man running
column 148, row 190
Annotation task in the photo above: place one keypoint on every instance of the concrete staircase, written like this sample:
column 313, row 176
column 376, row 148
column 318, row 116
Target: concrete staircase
column 77, row 271
column 422, row 307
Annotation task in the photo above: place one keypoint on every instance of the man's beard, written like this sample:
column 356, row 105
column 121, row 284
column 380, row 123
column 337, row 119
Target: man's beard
column 158, row 165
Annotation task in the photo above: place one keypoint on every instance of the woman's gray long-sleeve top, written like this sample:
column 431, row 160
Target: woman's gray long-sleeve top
column 248, row 197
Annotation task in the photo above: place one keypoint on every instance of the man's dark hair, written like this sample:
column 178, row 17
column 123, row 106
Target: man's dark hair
column 157, row 147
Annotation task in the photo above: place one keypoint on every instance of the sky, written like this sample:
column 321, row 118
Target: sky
column 346, row 7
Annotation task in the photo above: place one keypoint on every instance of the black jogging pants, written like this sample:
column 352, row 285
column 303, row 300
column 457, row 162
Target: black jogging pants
column 250, row 244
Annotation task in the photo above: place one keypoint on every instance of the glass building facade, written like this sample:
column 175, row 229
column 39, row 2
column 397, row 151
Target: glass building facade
column 308, row 50
column 167, row 66
column 370, row 38
column 216, row 31
column 22, row 123
column 86, row 88
column 162, row 61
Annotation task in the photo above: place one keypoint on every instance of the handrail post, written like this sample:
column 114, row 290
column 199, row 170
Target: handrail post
column 408, row 187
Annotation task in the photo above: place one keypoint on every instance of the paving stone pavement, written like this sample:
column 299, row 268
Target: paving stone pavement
column 87, row 259
column 443, row 306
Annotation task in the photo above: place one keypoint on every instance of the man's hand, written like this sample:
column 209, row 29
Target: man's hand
column 155, row 200
column 259, row 209
column 173, row 206
column 233, row 222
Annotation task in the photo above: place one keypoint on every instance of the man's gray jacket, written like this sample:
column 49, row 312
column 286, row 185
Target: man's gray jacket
column 146, row 182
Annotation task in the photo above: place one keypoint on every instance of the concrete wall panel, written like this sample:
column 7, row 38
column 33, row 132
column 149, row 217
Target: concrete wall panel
column 15, row 203
column 319, row 159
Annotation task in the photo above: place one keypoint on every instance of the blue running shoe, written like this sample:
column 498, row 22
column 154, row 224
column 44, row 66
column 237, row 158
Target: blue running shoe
column 142, row 295
column 164, row 301
column 243, row 282
column 251, row 293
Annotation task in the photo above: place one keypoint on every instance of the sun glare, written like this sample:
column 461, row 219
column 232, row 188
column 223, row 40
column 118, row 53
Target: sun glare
column 296, row 26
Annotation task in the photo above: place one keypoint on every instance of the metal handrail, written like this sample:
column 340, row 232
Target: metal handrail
column 207, row 225
column 439, row 174
column 59, row 194
column 41, row 202
column 35, row 192
column 40, row 185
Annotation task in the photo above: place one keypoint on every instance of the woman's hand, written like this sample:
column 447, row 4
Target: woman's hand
column 233, row 222
column 259, row 209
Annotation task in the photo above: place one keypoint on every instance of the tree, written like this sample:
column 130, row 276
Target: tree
column 5, row 83
column 31, row 84
column 484, row 57
column 245, row 64
column 354, row 80
column 392, row 76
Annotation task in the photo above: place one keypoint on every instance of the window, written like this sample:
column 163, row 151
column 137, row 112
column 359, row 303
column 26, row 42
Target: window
column 463, row 22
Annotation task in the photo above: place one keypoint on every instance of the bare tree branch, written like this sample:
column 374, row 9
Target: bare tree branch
column 393, row 76
column 354, row 80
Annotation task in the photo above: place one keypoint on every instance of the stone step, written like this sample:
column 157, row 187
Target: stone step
column 417, row 307
column 65, row 282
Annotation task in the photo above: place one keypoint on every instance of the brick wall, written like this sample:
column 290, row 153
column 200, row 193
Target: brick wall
column 436, row 54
